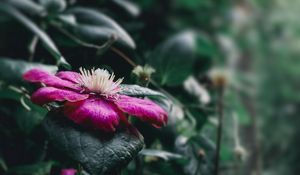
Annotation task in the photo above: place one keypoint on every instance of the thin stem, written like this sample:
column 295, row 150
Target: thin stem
column 107, row 44
column 220, row 108
column 125, row 57
column 32, row 47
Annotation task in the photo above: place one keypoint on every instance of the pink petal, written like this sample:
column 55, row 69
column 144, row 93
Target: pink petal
column 70, row 171
column 36, row 75
column 69, row 75
column 144, row 109
column 49, row 94
column 96, row 112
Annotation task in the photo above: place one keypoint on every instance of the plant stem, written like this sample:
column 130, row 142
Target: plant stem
column 220, row 110
column 125, row 57
column 32, row 47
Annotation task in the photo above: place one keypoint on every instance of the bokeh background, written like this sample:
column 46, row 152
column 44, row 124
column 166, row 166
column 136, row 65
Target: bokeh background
column 252, row 46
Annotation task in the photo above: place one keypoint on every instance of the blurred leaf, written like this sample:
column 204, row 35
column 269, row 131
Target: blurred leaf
column 201, row 153
column 11, row 70
column 28, row 120
column 95, row 27
column 40, row 168
column 48, row 43
column 161, row 154
column 7, row 93
column 130, row 7
column 205, row 46
column 3, row 165
column 239, row 109
column 136, row 90
column 174, row 59
column 28, row 6
column 54, row 6
column 99, row 153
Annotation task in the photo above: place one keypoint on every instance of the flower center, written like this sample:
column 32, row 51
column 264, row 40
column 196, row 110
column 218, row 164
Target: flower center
column 99, row 81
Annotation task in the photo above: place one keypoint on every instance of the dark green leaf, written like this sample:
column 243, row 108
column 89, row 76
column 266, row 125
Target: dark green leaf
column 3, row 165
column 205, row 46
column 136, row 90
column 174, row 59
column 161, row 154
column 11, row 71
column 7, row 93
column 130, row 7
column 201, row 153
column 26, row 119
column 95, row 27
column 54, row 6
column 97, row 152
column 41, row 168
column 48, row 43
column 28, row 6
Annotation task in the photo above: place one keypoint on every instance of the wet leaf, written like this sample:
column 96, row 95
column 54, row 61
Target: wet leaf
column 99, row 153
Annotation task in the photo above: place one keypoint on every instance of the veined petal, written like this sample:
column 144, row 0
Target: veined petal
column 37, row 75
column 49, row 94
column 69, row 75
column 144, row 109
column 96, row 112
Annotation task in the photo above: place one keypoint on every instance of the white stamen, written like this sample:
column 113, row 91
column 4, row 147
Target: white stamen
column 99, row 81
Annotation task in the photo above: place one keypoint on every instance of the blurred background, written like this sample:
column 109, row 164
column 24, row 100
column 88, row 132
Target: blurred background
column 248, row 48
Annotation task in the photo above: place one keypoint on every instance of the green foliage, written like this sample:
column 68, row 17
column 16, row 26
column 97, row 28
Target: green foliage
column 179, row 39
column 98, row 153
column 11, row 71
column 174, row 59
column 40, row 168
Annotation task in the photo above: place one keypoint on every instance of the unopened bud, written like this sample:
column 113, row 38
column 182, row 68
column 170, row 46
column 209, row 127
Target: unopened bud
column 219, row 77
column 240, row 152
column 201, row 153
column 143, row 73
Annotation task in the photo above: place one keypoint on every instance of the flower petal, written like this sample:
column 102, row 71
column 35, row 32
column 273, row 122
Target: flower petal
column 37, row 75
column 69, row 75
column 144, row 109
column 70, row 171
column 49, row 94
column 96, row 112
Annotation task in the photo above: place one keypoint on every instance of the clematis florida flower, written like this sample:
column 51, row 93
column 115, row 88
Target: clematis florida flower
column 93, row 98
column 70, row 171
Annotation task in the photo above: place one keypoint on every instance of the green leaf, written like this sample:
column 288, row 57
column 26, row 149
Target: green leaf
column 54, row 6
column 200, row 151
column 7, row 93
column 3, row 165
column 26, row 119
column 205, row 46
column 28, row 6
column 11, row 70
column 48, row 43
column 136, row 90
column 95, row 27
column 99, row 153
column 174, row 59
column 128, row 6
column 160, row 153
column 41, row 168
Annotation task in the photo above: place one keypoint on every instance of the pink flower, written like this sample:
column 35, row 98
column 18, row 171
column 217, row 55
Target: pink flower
column 69, row 171
column 92, row 98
